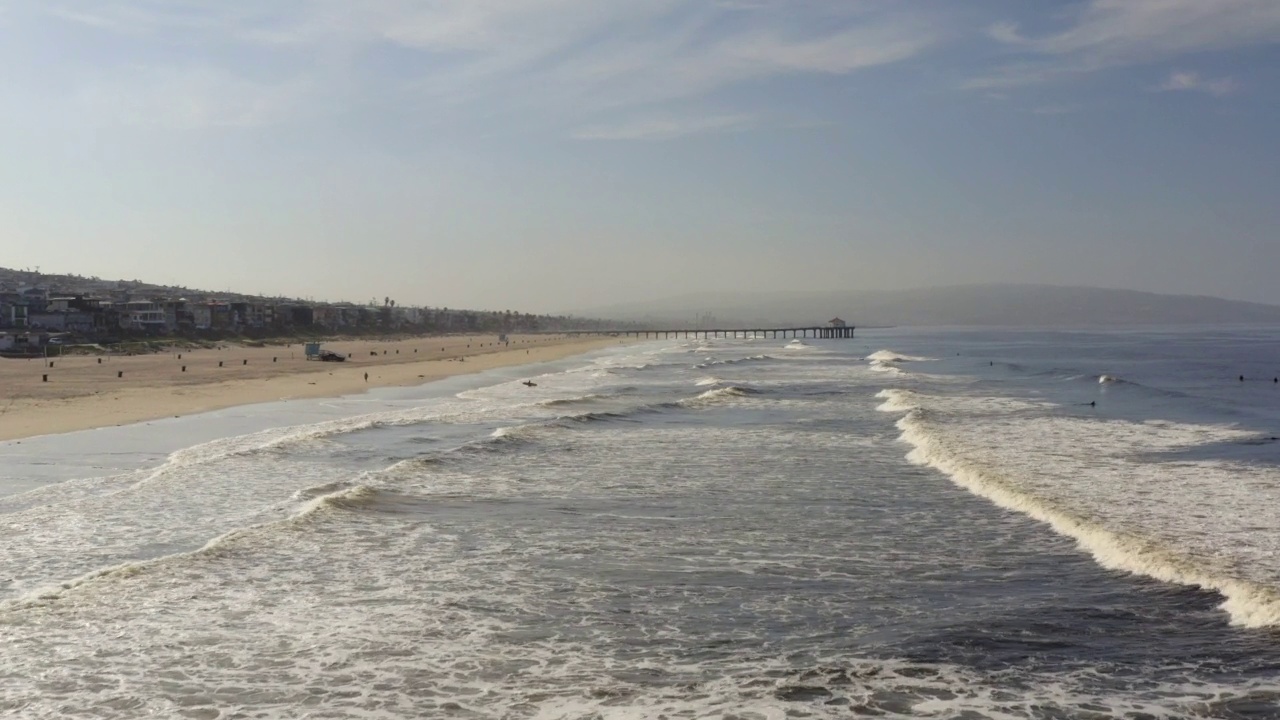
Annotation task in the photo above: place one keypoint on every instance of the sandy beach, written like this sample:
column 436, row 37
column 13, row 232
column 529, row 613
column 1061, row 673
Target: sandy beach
column 84, row 392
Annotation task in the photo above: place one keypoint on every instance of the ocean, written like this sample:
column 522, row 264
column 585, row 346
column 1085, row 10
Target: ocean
column 941, row 524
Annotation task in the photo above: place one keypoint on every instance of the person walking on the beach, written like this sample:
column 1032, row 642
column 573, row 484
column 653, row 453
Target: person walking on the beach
column 366, row 377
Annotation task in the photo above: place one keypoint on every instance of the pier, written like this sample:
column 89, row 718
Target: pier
column 821, row 332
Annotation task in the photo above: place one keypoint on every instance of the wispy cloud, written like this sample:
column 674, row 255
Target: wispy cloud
column 664, row 128
column 1194, row 82
column 1063, row 109
column 1110, row 33
column 565, row 58
column 188, row 98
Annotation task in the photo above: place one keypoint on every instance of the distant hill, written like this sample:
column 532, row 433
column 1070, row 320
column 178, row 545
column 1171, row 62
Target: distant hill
column 1007, row 305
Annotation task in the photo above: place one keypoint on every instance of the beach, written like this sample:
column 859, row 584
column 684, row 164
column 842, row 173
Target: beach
column 89, row 391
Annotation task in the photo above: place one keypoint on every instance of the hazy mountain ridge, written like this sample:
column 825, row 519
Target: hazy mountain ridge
column 1007, row 305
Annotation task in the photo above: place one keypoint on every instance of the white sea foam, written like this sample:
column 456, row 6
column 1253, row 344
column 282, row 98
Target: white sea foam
column 897, row 400
column 886, row 367
column 1099, row 482
column 721, row 394
column 318, row 499
column 516, row 431
column 711, row 362
column 894, row 357
column 207, row 489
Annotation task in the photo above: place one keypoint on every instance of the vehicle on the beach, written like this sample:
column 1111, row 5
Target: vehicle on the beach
column 331, row 356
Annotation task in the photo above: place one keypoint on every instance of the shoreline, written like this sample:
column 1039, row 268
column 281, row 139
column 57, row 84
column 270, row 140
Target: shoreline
column 83, row 393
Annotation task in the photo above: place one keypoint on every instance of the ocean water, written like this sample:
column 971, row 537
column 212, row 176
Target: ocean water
column 959, row 524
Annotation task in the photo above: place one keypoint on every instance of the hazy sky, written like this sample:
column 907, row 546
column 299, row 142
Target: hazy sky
column 555, row 154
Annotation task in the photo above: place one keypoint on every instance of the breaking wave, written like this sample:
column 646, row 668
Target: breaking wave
column 572, row 400
column 320, row 499
column 713, row 363
column 722, row 394
column 1102, row 500
column 893, row 357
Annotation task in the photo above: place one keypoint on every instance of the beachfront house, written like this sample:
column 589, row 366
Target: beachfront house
column 143, row 315
column 201, row 316
column 69, row 321
column 15, row 314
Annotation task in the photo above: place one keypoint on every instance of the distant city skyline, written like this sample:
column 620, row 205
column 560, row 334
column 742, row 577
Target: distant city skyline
column 552, row 155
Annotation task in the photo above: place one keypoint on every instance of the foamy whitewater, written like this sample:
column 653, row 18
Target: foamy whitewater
column 907, row 524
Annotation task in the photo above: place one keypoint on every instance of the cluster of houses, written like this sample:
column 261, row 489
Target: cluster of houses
column 34, row 314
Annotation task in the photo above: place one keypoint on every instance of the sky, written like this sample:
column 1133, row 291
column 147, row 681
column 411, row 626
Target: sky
column 553, row 155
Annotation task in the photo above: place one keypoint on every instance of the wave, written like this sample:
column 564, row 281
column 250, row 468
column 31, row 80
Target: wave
column 322, row 498
column 897, row 401
column 888, row 368
column 722, row 394
column 514, row 432
column 893, row 357
column 1119, row 383
column 708, row 381
column 572, row 400
column 281, row 438
column 736, row 361
column 1087, row 479
column 1249, row 604
column 596, row 417
column 901, row 400
column 533, row 430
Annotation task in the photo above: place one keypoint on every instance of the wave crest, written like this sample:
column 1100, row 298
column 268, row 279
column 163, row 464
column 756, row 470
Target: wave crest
column 985, row 450
column 894, row 357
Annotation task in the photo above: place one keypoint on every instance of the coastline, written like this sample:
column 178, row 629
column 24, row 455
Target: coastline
column 82, row 393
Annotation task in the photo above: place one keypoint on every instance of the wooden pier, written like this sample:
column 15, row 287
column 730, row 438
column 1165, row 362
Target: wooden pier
column 824, row 332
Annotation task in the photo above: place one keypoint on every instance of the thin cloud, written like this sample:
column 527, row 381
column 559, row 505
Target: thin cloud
column 1113, row 33
column 665, row 128
column 1006, row 32
column 1194, row 82
column 187, row 98
column 553, row 58
column 1055, row 109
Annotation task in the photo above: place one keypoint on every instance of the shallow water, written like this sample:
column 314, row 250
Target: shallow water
column 908, row 524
